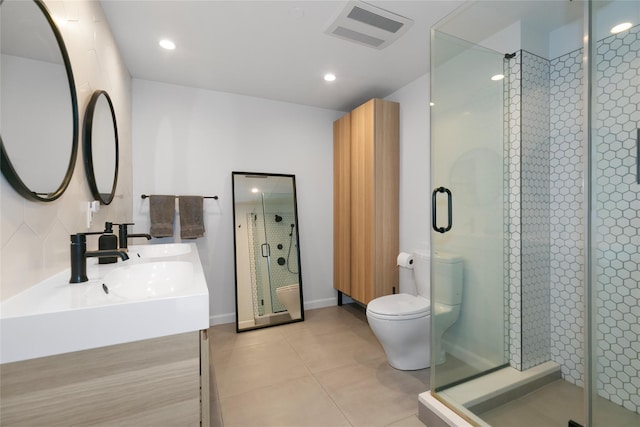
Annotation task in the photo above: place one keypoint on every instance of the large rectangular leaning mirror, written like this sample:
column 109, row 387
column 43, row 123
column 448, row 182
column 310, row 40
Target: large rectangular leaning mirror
column 267, row 255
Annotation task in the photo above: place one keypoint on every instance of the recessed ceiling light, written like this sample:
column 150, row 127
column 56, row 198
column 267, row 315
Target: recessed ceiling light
column 431, row 104
column 621, row 27
column 254, row 190
column 497, row 77
column 329, row 77
column 167, row 44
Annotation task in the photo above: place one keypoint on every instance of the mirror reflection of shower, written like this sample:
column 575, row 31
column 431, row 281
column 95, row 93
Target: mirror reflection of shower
column 267, row 255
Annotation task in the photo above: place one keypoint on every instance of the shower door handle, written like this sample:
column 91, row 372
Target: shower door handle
column 265, row 249
column 434, row 210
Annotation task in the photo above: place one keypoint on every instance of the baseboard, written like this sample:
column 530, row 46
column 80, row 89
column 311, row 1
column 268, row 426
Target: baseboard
column 220, row 319
column 320, row 303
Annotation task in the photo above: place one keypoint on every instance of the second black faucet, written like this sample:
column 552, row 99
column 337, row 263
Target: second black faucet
column 124, row 235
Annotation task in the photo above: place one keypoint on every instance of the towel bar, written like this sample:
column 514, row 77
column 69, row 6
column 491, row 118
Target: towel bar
column 144, row 196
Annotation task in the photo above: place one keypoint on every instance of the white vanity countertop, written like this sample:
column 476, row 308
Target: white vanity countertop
column 55, row 316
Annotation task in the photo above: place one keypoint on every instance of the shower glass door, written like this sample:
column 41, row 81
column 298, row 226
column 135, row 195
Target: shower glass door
column 614, row 245
column 262, row 258
column 469, row 217
column 274, row 243
column 267, row 258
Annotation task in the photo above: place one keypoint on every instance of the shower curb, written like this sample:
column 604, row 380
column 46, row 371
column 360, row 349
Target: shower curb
column 484, row 393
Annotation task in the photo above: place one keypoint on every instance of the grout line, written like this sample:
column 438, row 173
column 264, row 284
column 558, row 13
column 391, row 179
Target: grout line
column 289, row 336
column 331, row 399
column 315, row 378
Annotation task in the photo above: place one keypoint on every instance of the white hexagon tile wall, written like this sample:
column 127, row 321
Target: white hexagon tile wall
column 553, row 204
column 617, row 223
column 567, row 252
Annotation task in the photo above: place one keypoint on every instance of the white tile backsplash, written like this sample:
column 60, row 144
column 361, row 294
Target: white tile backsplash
column 40, row 217
column 22, row 260
column 34, row 236
column 12, row 212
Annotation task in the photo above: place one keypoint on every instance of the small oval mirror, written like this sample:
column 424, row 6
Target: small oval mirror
column 101, row 152
column 39, row 113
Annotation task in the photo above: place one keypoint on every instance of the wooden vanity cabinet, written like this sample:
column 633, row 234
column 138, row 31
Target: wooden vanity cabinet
column 155, row 382
column 366, row 200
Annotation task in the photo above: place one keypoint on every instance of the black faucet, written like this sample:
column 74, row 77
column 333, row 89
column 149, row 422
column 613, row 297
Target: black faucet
column 124, row 236
column 79, row 255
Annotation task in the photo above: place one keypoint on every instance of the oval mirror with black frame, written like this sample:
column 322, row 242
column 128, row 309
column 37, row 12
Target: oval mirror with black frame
column 101, row 151
column 267, row 254
column 38, row 106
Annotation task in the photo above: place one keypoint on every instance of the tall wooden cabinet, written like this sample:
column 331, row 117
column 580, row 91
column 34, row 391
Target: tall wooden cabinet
column 366, row 200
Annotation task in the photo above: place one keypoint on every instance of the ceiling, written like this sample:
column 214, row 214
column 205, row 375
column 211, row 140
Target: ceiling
column 271, row 49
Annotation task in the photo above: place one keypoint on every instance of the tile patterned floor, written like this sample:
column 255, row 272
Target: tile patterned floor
column 326, row 371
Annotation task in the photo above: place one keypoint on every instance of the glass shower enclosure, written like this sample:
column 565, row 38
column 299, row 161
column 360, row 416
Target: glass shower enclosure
column 467, row 113
column 535, row 117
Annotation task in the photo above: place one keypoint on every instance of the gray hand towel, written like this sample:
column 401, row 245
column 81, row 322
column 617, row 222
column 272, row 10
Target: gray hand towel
column 161, row 211
column 191, row 216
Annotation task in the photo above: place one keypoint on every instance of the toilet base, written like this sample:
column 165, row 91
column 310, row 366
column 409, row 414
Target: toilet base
column 405, row 342
column 408, row 366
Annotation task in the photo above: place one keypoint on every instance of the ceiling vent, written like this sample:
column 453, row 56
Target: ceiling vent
column 368, row 25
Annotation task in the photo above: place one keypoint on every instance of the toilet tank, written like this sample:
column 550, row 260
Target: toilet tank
column 447, row 277
column 422, row 272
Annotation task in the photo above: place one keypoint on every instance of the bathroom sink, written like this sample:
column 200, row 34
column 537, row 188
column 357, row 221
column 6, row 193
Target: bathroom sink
column 149, row 280
column 147, row 298
column 159, row 251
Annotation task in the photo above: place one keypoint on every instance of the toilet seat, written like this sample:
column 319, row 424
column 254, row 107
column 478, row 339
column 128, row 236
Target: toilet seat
column 399, row 307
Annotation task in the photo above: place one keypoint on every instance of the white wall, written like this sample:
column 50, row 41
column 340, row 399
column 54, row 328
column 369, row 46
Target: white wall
column 415, row 187
column 34, row 236
column 188, row 141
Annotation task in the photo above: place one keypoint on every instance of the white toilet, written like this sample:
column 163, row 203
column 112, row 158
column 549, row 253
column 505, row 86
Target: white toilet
column 402, row 322
column 289, row 296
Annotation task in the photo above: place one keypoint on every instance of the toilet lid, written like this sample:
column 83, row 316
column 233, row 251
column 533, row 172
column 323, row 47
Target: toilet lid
column 400, row 305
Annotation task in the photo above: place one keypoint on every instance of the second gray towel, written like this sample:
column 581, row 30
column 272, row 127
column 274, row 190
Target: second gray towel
column 191, row 216
column 161, row 211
